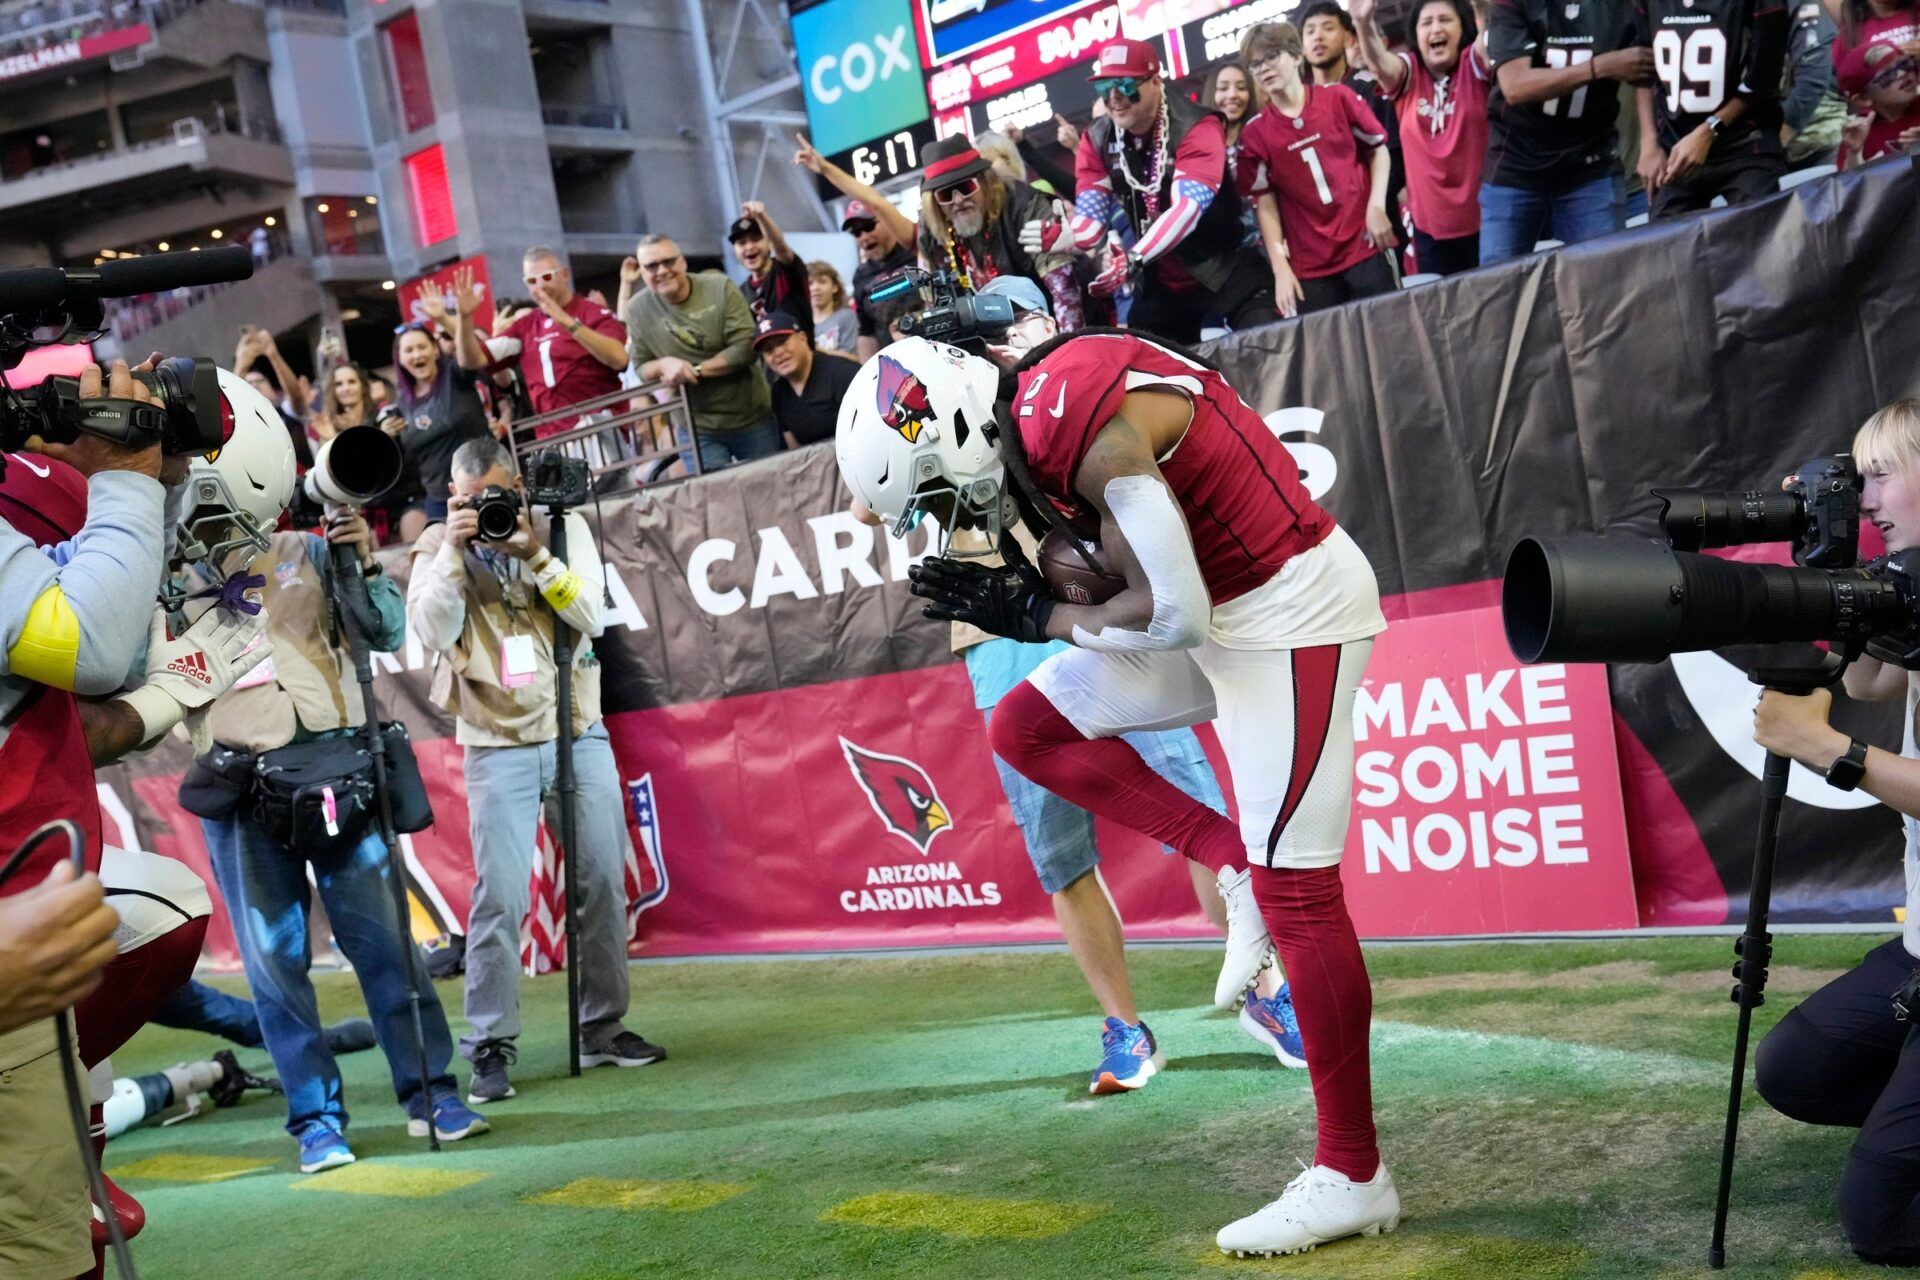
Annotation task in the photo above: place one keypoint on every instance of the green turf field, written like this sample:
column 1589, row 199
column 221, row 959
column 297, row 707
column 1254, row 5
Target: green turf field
column 1548, row 1111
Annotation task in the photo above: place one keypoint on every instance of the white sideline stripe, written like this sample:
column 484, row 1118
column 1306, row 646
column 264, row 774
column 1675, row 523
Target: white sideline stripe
column 1645, row 1066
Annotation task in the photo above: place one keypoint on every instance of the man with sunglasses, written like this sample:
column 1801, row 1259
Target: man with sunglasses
column 971, row 223
column 571, row 348
column 696, row 331
column 881, row 232
column 1161, row 160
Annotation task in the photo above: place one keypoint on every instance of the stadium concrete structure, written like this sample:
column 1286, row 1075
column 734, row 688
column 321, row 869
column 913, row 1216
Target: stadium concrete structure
column 356, row 146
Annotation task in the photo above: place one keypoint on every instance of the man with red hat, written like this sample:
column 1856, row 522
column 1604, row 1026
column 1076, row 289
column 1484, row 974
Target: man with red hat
column 883, row 234
column 1161, row 162
column 971, row 219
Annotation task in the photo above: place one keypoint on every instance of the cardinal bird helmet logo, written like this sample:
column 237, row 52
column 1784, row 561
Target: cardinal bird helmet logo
column 902, row 400
column 901, row 793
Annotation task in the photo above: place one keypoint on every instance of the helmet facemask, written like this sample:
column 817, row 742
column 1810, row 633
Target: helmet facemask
column 215, row 528
column 978, row 505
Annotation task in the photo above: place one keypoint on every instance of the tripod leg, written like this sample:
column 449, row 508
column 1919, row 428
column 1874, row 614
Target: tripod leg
column 348, row 566
column 1754, row 948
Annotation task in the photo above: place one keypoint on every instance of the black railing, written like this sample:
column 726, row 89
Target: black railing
column 630, row 438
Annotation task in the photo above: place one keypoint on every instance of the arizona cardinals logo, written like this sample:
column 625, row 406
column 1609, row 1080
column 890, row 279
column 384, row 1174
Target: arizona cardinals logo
column 902, row 399
column 900, row 792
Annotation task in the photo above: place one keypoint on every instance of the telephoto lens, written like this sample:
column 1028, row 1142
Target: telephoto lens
column 1614, row 599
column 499, row 512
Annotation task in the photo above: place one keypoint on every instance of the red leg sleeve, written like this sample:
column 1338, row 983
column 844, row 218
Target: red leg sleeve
column 1107, row 777
column 133, row 986
column 1306, row 913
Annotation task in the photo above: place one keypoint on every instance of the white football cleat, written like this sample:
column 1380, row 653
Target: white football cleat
column 1317, row 1207
column 1249, row 949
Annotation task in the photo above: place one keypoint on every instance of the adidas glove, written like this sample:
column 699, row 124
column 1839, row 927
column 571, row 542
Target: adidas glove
column 185, row 674
column 1002, row 601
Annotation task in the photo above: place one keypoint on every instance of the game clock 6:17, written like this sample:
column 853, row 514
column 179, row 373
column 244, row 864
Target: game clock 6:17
column 887, row 158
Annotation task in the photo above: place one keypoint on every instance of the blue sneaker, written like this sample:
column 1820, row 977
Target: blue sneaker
column 452, row 1119
column 323, row 1147
column 1270, row 1021
column 1129, row 1058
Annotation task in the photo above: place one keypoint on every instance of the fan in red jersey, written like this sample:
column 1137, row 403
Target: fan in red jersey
column 1313, row 159
column 1245, row 604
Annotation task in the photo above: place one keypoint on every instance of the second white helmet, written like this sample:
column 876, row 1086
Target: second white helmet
column 234, row 498
column 914, row 437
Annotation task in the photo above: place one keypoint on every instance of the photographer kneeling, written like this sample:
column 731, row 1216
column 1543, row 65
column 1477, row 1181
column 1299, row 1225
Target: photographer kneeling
column 477, row 598
column 1843, row 1056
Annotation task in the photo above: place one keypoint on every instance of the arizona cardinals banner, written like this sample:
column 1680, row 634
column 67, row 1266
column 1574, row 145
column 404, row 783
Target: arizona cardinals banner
column 805, row 769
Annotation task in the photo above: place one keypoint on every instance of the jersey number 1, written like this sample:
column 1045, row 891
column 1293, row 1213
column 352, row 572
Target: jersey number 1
column 1692, row 69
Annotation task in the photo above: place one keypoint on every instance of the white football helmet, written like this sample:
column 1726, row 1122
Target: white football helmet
column 913, row 439
column 235, row 496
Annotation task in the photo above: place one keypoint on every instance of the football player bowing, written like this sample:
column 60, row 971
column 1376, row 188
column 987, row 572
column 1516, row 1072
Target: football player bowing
column 1244, row 604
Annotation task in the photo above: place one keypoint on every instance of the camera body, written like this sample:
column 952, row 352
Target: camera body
column 186, row 421
column 498, row 510
column 555, row 480
column 1818, row 512
column 954, row 316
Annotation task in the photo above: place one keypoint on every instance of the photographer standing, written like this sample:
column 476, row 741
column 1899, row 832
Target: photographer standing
column 1844, row 1056
column 480, row 603
column 307, row 695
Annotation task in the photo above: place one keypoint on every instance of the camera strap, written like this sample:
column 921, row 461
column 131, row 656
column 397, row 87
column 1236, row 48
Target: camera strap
column 1906, row 1001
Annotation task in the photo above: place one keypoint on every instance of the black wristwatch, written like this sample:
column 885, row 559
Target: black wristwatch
column 1846, row 772
column 1715, row 124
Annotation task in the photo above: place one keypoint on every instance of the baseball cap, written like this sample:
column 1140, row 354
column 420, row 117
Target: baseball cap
column 773, row 326
column 744, row 229
column 857, row 210
column 1021, row 291
column 1134, row 58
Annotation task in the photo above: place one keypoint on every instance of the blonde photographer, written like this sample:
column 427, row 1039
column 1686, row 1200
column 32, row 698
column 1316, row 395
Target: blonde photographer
column 1843, row 1056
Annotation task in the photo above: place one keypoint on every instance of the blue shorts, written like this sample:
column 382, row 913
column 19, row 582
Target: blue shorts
column 1059, row 835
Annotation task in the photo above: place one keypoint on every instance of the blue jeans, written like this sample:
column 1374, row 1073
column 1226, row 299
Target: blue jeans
column 199, row 1007
column 723, row 448
column 266, row 892
column 1514, row 219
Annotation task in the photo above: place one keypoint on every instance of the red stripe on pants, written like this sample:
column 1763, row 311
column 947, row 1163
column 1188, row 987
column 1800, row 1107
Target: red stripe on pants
column 1306, row 913
column 1107, row 777
column 1315, row 672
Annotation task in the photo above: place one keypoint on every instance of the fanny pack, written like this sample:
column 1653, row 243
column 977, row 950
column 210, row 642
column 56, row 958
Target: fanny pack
column 311, row 797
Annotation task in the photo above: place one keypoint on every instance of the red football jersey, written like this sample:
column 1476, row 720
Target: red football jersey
column 1315, row 164
column 558, row 370
column 1235, row 482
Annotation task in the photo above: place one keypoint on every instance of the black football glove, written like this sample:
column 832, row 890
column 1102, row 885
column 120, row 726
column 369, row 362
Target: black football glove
column 1003, row 601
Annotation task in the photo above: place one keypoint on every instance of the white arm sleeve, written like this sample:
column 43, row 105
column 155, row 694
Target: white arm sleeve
column 1148, row 515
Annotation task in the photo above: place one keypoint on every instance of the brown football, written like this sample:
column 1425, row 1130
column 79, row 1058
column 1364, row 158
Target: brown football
column 1066, row 570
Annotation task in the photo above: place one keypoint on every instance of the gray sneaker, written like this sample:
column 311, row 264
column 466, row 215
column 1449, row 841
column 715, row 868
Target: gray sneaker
column 489, row 1082
column 622, row 1049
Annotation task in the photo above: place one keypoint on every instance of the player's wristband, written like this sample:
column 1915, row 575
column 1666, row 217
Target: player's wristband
column 158, row 710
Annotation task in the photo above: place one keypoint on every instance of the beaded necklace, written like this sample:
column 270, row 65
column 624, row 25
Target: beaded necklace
column 1149, row 190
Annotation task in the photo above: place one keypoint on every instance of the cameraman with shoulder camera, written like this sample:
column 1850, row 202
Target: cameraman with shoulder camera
column 476, row 596
column 65, row 630
column 1847, row 1055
